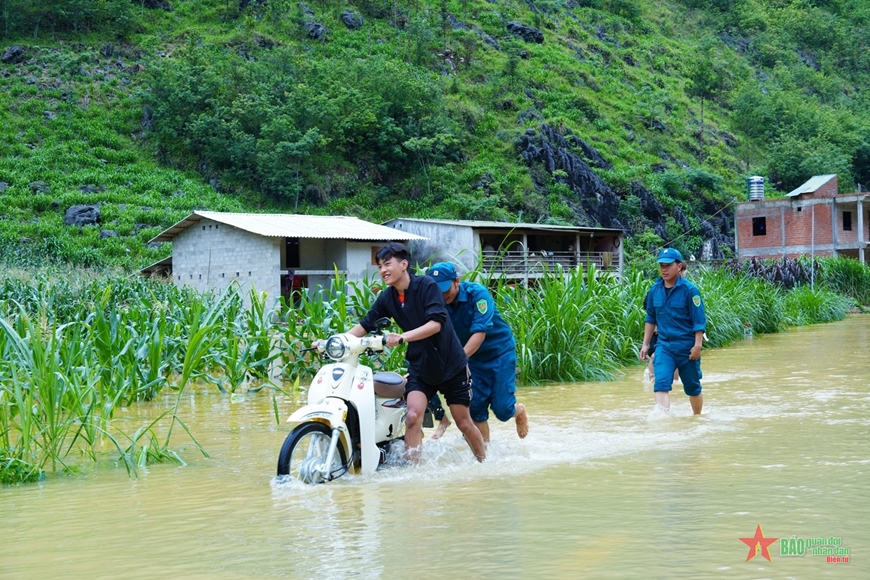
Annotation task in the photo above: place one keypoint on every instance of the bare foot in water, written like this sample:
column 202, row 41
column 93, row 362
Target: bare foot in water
column 522, row 419
column 442, row 427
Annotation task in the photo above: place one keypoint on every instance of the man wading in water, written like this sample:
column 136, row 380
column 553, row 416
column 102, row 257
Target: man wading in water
column 675, row 309
column 490, row 347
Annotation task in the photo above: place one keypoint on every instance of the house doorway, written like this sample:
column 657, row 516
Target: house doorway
column 292, row 287
column 291, row 253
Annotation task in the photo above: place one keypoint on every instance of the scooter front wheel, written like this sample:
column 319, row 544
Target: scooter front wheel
column 304, row 453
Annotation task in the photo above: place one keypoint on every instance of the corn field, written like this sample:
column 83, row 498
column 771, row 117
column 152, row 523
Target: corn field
column 77, row 347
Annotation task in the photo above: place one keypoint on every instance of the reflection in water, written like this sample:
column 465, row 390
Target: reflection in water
column 602, row 487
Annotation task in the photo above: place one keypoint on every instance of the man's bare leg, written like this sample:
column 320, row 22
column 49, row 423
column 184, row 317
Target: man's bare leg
column 469, row 429
column 416, row 402
column 442, row 427
column 522, row 420
column 483, row 426
column 663, row 399
column 697, row 402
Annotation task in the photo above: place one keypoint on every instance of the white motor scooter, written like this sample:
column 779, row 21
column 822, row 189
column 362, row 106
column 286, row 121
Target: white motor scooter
column 352, row 416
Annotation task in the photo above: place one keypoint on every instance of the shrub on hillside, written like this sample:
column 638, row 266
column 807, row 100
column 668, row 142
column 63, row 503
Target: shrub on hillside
column 293, row 127
column 26, row 17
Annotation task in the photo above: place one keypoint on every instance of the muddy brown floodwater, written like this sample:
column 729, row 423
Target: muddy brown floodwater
column 601, row 488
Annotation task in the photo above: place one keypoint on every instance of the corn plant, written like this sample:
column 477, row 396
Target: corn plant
column 76, row 347
column 47, row 410
column 260, row 336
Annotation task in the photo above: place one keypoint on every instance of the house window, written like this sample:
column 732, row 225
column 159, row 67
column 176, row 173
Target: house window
column 847, row 221
column 292, row 252
column 759, row 226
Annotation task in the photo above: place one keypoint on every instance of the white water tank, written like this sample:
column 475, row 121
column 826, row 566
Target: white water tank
column 755, row 188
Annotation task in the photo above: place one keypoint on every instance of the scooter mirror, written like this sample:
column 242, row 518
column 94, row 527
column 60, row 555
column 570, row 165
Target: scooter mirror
column 382, row 323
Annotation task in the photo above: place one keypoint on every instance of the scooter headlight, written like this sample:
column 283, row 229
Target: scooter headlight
column 335, row 348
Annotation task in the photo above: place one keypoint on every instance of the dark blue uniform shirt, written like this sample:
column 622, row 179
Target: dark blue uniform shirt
column 474, row 311
column 678, row 312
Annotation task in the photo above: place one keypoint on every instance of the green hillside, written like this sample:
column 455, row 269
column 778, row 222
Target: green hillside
column 641, row 114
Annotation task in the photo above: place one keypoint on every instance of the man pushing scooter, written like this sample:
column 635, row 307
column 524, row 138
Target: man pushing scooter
column 436, row 360
column 490, row 347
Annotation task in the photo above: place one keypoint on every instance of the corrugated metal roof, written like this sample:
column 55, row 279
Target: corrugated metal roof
column 812, row 185
column 293, row 226
column 491, row 225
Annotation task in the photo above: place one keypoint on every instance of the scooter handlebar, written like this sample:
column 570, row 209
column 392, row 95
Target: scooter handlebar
column 318, row 345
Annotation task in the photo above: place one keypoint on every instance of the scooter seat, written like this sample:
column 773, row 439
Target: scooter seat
column 390, row 385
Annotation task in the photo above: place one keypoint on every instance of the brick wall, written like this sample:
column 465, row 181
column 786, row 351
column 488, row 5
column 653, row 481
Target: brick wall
column 211, row 255
column 828, row 189
column 807, row 225
column 851, row 236
column 791, row 226
column 797, row 227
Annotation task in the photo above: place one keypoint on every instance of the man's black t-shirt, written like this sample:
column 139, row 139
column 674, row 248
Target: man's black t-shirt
column 433, row 359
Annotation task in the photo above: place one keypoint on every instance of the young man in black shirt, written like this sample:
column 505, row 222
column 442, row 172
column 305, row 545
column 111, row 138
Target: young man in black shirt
column 436, row 359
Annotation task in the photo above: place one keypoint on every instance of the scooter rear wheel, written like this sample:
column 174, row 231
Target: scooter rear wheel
column 306, row 448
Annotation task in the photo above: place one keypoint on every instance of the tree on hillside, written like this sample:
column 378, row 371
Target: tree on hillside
column 706, row 81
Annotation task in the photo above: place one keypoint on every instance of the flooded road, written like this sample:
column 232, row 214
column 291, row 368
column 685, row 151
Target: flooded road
column 602, row 488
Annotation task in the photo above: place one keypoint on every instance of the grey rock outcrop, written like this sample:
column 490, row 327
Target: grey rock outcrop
column 352, row 19
column 13, row 55
column 556, row 152
column 82, row 215
column 526, row 32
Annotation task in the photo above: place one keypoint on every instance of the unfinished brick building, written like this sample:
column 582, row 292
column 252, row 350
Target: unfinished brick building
column 812, row 220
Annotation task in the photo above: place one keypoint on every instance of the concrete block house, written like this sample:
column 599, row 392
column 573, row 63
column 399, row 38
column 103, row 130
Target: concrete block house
column 813, row 220
column 515, row 251
column 280, row 254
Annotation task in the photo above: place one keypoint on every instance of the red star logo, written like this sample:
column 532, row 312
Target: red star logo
column 758, row 543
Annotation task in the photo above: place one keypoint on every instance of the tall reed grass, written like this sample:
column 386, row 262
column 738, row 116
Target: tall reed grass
column 846, row 277
column 570, row 327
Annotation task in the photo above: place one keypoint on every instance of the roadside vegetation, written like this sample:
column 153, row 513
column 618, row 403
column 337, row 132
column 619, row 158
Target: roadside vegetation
column 78, row 347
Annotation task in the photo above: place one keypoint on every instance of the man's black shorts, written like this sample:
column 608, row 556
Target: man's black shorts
column 456, row 389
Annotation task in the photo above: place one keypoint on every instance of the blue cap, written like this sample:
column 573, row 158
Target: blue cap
column 669, row 256
column 444, row 274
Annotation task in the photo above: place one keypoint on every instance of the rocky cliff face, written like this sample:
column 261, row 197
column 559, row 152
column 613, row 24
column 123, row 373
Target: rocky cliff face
column 568, row 159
